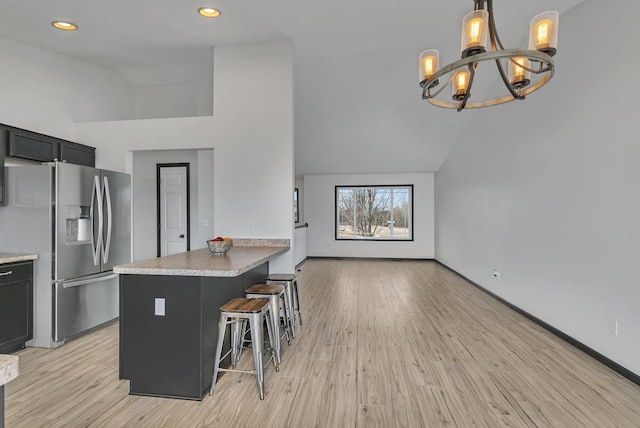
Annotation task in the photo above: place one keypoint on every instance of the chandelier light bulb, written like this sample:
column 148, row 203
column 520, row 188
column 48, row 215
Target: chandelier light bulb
column 473, row 31
column 519, row 77
column 429, row 66
column 429, row 63
column 459, row 85
column 542, row 30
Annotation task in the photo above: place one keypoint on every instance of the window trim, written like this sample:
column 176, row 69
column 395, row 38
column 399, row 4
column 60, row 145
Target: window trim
column 363, row 239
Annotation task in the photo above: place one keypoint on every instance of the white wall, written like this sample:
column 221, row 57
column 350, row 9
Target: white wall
column 59, row 90
column 46, row 92
column 351, row 107
column 172, row 90
column 145, row 199
column 300, row 244
column 251, row 133
column 319, row 201
column 546, row 190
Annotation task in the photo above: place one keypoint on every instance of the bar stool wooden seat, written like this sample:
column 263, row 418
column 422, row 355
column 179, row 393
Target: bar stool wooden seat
column 237, row 312
column 291, row 283
column 280, row 304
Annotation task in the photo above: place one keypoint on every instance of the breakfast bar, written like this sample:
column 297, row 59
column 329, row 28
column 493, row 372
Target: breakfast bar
column 169, row 312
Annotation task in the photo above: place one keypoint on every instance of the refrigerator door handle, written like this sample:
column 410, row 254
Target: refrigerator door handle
column 96, row 196
column 72, row 284
column 107, row 242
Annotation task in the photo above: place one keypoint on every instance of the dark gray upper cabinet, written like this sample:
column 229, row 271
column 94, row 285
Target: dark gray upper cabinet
column 31, row 146
column 28, row 145
column 78, row 154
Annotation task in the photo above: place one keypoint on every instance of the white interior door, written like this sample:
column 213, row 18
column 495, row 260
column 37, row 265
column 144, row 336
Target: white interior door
column 173, row 210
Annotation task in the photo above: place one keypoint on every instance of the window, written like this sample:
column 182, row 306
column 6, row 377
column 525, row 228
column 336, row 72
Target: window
column 379, row 213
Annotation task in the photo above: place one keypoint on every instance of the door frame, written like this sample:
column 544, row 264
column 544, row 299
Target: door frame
column 159, row 167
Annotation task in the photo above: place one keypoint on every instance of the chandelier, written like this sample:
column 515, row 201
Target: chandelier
column 528, row 69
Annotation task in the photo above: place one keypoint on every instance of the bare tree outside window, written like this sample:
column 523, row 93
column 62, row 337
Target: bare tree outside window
column 373, row 212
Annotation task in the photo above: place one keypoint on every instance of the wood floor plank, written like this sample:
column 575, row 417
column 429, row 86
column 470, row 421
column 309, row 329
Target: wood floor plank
column 384, row 344
column 370, row 416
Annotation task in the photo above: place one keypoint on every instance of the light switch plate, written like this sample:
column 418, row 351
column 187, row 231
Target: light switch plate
column 159, row 306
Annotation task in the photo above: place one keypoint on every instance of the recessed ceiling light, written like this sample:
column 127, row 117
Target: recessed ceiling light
column 209, row 12
column 67, row 26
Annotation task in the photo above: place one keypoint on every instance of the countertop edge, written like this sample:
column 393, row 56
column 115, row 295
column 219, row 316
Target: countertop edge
column 8, row 368
column 132, row 270
column 13, row 257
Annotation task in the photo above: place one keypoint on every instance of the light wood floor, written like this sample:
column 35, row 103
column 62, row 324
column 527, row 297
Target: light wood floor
column 384, row 344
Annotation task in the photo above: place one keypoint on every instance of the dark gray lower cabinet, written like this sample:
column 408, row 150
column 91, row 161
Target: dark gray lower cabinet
column 3, row 149
column 16, row 305
column 171, row 355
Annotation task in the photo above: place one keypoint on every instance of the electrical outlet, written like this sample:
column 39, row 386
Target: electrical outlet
column 205, row 223
column 252, row 226
column 613, row 326
column 497, row 274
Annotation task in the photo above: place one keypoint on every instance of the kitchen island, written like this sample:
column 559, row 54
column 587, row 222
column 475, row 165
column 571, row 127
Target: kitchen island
column 169, row 313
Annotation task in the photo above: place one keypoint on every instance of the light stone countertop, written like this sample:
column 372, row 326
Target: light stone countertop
column 13, row 257
column 237, row 261
column 8, row 368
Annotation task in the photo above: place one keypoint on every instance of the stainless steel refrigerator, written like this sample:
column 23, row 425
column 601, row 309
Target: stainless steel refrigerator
column 78, row 220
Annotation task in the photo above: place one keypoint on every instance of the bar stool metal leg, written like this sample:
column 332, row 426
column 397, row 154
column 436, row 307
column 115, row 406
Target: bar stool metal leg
column 296, row 308
column 287, row 315
column 292, row 309
column 236, row 347
column 222, row 327
column 273, row 338
column 255, row 327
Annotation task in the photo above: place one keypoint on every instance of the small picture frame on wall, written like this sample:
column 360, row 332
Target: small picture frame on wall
column 296, row 216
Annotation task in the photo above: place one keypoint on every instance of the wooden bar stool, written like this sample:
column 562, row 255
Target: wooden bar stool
column 290, row 282
column 237, row 312
column 280, row 304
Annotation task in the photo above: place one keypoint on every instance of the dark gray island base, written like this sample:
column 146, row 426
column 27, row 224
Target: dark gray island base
column 171, row 355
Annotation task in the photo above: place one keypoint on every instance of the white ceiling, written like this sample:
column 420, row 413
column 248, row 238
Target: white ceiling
column 358, row 105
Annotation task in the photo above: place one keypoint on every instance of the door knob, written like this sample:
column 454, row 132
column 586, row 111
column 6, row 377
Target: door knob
column 182, row 236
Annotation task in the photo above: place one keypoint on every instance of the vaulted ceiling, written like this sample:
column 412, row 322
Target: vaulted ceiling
column 357, row 100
